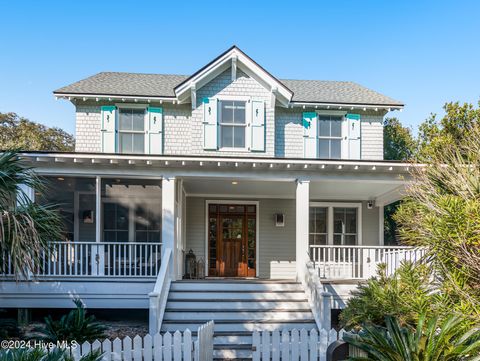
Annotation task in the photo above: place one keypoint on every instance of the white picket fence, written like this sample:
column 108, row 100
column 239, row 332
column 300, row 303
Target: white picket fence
column 293, row 345
column 167, row 347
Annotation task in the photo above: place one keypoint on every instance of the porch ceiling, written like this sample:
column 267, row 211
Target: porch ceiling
column 347, row 190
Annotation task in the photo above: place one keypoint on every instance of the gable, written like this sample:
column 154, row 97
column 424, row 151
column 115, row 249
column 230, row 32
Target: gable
column 233, row 59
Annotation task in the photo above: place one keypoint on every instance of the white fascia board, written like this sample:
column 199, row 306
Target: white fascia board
column 113, row 97
column 345, row 107
column 133, row 160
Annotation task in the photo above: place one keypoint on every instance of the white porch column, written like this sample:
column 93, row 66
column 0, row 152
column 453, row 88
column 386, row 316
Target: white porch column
column 168, row 222
column 302, row 199
column 98, row 259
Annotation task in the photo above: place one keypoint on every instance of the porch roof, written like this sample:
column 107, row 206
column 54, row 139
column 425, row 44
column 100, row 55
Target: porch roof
column 240, row 177
column 104, row 160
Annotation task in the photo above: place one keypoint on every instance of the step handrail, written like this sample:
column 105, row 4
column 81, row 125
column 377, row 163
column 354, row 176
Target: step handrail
column 318, row 299
column 158, row 297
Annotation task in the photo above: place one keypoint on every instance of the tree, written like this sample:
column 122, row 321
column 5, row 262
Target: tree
column 398, row 144
column 26, row 228
column 431, row 339
column 442, row 210
column 18, row 133
column 452, row 129
column 398, row 141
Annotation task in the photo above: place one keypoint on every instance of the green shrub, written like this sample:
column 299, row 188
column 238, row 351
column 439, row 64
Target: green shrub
column 37, row 354
column 430, row 340
column 406, row 294
column 8, row 328
column 74, row 326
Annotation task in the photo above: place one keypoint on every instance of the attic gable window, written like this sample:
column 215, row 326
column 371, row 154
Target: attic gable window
column 131, row 130
column 233, row 124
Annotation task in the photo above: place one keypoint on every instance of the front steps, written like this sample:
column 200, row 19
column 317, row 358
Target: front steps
column 238, row 308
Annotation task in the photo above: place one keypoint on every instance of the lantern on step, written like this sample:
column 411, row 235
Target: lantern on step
column 201, row 269
column 190, row 265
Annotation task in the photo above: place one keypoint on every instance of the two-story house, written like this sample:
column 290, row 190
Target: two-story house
column 278, row 186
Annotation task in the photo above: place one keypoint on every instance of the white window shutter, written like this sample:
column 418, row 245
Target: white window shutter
column 354, row 136
column 309, row 123
column 210, row 133
column 109, row 128
column 155, row 130
column 258, row 126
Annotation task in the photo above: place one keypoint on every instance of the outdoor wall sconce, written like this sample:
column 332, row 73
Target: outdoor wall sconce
column 279, row 219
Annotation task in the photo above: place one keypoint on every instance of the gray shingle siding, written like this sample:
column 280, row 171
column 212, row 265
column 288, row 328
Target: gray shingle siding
column 183, row 129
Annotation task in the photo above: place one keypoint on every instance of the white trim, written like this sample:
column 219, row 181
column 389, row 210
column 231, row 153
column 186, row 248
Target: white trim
column 331, row 112
column 330, row 206
column 131, row 105
column 45, row 157
column 257, row 231
column 347, row 106
column 241, row 98
column 98, row 209
column 70, row 96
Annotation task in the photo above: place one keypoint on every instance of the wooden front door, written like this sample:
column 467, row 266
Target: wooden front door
column 232, row 240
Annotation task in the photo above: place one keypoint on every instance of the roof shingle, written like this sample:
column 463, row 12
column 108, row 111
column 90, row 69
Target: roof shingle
column 162, row 85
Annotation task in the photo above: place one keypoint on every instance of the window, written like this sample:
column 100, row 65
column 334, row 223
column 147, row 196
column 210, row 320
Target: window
column 132, row 210
column 334, row 224
column 329, row 136
column 345, row 226
column 131, row 130
column 232, row 124
column 318, row 225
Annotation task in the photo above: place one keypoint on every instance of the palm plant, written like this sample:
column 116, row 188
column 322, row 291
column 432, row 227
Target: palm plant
column 74, row 326
column 26, row 228
column 431, row 340
column 405, row 294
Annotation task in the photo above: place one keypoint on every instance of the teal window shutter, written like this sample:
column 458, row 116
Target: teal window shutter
column 354, row 136
column 108, row 128
column 309, row 123
column 155, row 130
column 258, row 126
column 210, row 132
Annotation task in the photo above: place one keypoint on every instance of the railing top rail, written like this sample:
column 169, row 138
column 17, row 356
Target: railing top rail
column 362, row 246
column 108, row 243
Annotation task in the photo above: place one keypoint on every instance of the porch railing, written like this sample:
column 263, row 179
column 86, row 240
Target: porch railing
column 85, row 259
column 359, row 262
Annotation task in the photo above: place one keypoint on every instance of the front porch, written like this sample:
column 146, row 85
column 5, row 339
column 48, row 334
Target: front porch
column 130, row 221
column 261, row 224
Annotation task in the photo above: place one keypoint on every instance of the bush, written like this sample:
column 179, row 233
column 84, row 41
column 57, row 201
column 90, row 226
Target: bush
column 430, row 340
column 406, row 294
column 37, row 354
column 74, row 326
column 8, row 328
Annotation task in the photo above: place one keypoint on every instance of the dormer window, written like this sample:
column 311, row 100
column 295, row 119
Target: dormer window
column 233, row 124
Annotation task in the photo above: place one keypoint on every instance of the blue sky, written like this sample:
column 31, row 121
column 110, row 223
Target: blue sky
column 421, row 52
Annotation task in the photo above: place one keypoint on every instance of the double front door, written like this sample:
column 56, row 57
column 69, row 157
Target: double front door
column 232, row 240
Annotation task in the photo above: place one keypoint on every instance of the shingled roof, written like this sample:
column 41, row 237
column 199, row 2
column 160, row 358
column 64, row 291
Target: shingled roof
column 162, row 85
